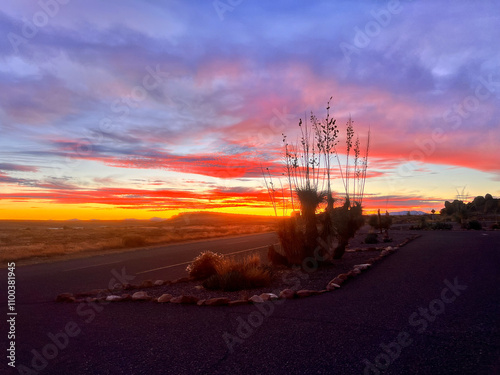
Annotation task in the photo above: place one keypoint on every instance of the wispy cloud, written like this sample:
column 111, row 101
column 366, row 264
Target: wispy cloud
column 426, row 83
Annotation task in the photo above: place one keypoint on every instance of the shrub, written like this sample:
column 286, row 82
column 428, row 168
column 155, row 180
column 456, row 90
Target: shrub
column 385, row 221
column 475, row 225
column 495, row 226
column 371, row 238
column 204, row 265
column 230, row 281
column 308, row 170
column 276, row 258
column 441, row 226
column 133, row 240
column 232, row 275
column 292, row 240
column 257, row 277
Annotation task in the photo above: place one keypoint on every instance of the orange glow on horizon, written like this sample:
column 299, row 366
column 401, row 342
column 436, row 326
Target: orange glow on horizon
column 45, row 211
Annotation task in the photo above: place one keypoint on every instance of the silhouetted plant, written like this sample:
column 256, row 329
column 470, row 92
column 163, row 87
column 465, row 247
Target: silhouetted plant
column 384, row 222
column 441, row 226
column 204, row 265
column 475, row 225
column 308, row 169
column 480, row 205
column 292, row 239
column 275, row 257
column 232, row 274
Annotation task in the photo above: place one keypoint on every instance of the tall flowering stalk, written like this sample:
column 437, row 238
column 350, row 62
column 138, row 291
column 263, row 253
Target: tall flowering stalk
column 308, row 168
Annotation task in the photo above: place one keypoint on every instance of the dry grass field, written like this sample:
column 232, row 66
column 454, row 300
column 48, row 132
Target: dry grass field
column 37, row 241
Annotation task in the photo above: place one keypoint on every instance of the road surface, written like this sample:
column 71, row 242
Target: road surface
column 431, row 308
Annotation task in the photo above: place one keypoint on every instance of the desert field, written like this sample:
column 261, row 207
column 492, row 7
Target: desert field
column 39, row 241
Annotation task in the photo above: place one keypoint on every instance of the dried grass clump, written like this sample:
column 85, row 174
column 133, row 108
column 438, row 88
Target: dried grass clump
column 204, row 265
column 232, row 274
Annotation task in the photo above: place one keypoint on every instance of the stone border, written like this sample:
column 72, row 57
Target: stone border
column 143, row 296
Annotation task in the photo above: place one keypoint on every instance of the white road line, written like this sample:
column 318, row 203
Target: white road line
column 184, row 263
column 162, row 268
column 94, row 265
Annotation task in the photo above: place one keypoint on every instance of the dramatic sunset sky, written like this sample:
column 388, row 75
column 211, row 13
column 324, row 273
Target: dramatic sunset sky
column 140, row 109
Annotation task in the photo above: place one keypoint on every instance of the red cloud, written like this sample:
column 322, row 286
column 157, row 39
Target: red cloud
column 152, row 199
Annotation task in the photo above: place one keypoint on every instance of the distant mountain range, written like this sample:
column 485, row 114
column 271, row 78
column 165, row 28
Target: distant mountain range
column 217, row 218
column 401, row 213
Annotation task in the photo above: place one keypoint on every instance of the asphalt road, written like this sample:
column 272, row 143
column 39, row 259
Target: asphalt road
column 431, row 308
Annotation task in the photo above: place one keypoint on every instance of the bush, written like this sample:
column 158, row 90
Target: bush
column 133, row 240
column 441, row 226
column 371, row 238
column 475, row 225
column 232, row 275
column 385, row 221
column 257, row 277
column 276, row 258
column 292, row 240
column 205, row 265
column 495, row 226
column 230, row 281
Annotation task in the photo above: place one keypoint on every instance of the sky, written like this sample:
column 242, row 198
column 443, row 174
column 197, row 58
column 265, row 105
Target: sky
column 140, row 109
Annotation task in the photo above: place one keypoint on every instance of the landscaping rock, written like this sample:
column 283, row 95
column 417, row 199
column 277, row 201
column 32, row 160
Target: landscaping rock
column 222, row 301
column 127, row 297
column 268, row 296
column 306, row 293
column 159, row 282
column 164, row 298
column 337, row 281
column 201, row 302
column 128, row 287
column 65, row 297
column 287, row 294
column 238, row 302
column 362, row 267
column 146, row 284
column 82, row 294
column 354, row 272
column 185, row 300
column 332, row 286
column 114, row 298
column 141, row 296
column 98, row 291
column 256, row 299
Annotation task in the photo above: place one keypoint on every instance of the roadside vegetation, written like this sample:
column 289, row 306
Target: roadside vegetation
column 480, row 213
column 470, row 215
column 229, row 273
column 39, row 240
column 325, row 220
